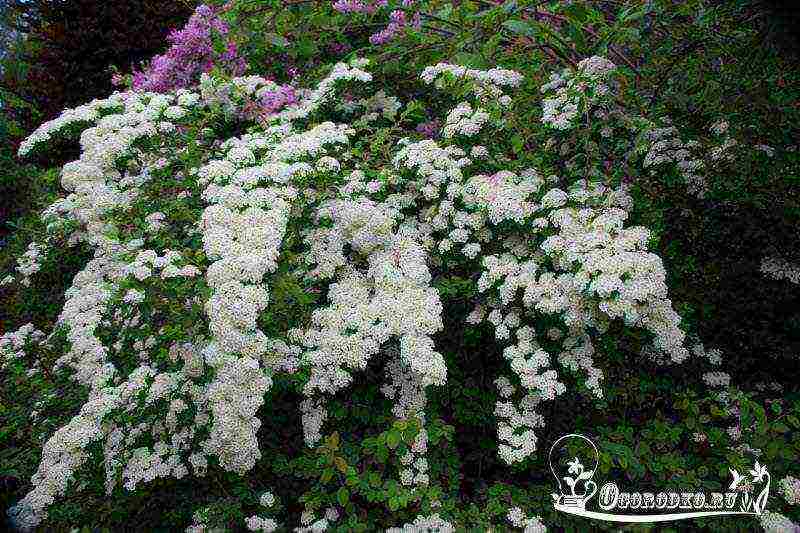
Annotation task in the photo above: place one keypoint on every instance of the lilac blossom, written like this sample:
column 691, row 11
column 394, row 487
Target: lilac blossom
column 191, row 54
column 429, row 129
column 339, row 48
column 274, row 101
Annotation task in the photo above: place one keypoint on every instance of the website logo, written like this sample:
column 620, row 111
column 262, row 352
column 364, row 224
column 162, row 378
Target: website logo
column 574, row 459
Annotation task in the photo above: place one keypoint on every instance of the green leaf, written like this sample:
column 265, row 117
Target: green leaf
column 277, row 40
column 391, row 67
column 510, row 6
column 470, row 60
column 343, row 496
column 576, row 12
column 519, row 27
column 306, row 48
column 333, row 441
column 394, row 504
column 393, row 439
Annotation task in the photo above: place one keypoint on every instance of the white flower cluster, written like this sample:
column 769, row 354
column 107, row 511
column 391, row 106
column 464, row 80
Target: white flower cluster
column 366, row 309
column 516, row 424
column 722, row 151
column 593, row 270
column 85, row 304
column 199, row 523
column 576, row 91
column 778, row 269
column 425, row 524
column 62, row 455
column 503, row 195
column 86, row 113
column 232, row 98
column 310, row 525
column 15, row 344
column 777, row 523
column 30, row 262
column 628, row 281
column 463, row 120
column 615, row 278
column 377, row 105
column 714, row 356
column 717, row 379
column 406, row 388
column 435, row 168
column 392, row 299
column 148, row 261
column 664, row 145
column 486, row 84
column 257, row 523
column 530, row 525
column 314, row 415
column 155, row 221
column 244, row 228
column 326, row 90
column 544, row 252
column 789, row 488
column 93, row 178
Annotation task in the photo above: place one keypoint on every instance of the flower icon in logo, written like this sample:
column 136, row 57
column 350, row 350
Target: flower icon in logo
column 741, row 482
column 573, row 478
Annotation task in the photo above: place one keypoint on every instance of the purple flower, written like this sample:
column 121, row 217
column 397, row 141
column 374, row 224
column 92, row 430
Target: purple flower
column 398, row 17
column 192, row 53
column 429, row 129
column 272, row 102
column 339, row 48
column 350, row 6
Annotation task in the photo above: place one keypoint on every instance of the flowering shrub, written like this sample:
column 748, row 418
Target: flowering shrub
column 340, row 261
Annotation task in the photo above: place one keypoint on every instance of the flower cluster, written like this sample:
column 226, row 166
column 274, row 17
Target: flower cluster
column 463, row 120
column 192, row 53
column 16, row 344
column 486, row 85
column 789, row 488
column 432, row 524
column 530, row 525
column 777, row 523
column 664, row 146
column 777, row 268
column 590, row 84
column 717, row 379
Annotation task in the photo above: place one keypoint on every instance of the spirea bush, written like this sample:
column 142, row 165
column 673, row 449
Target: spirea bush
column 269, row 255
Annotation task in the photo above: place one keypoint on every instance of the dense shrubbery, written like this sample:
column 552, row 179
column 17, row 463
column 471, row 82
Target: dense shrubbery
column 367, row 282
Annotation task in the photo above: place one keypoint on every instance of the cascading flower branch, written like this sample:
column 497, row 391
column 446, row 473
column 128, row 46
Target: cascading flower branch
column 192, row 52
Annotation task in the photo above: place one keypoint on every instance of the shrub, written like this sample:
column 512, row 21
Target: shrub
column 436, row 266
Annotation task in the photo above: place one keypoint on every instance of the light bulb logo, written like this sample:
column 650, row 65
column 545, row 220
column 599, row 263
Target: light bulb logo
column 573, row 461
